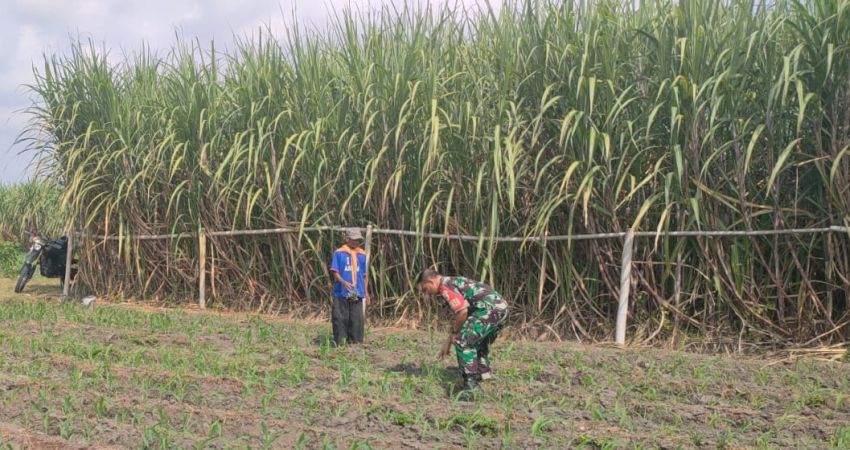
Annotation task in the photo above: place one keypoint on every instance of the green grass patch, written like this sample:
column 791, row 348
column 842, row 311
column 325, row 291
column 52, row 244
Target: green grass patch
column 111, row 374
column 11, row 259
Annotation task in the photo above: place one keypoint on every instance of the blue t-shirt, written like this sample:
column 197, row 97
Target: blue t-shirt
column 341, row 263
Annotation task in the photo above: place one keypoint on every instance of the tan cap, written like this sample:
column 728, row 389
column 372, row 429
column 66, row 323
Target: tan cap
column 353, row 234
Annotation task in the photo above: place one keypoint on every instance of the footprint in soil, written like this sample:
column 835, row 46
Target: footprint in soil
column 410, row 369
column 325, row 339
column 447, row 373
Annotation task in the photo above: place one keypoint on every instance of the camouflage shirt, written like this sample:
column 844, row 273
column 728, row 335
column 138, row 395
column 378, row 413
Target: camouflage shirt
column 460, row 293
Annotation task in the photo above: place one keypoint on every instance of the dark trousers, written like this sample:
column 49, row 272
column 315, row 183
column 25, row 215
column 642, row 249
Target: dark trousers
column 347, row 320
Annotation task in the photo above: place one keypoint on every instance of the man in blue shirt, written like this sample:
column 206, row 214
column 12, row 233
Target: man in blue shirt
column 350, row 290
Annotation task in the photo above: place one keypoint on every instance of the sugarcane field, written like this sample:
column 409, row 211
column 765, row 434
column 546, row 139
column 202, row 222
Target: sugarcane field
column 391, row 224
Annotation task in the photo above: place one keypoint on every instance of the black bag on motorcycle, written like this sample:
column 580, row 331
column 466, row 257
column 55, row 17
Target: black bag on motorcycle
column 53, row 258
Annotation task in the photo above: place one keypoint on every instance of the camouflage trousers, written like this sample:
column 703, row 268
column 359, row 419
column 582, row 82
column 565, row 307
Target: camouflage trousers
column 472, row 344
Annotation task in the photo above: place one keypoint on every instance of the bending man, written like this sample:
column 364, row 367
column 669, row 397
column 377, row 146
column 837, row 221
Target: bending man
column 479, row 312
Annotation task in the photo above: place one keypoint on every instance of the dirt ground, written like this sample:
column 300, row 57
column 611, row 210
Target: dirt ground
column 113, row 376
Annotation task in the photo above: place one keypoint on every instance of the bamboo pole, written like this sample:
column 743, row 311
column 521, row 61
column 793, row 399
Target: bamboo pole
column 282, row 230
column 69, row 258
column 368, row 248
column 202, row 268
column 625, row 285
column 463, row 237
column 542, row 276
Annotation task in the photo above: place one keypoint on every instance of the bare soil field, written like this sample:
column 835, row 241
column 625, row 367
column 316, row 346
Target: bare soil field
column 115, row 376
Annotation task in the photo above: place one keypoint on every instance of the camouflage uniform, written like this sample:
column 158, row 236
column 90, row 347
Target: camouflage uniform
column 487, row 311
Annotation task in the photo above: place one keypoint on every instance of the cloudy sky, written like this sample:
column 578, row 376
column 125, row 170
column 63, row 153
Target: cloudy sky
column 31, row 28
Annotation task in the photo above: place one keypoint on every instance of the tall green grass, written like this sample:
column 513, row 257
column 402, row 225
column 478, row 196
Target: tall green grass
column 548, row 117
column 30, row 206
column 11, row 258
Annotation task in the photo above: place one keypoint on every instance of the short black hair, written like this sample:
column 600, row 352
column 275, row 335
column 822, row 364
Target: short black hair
column 426, row 275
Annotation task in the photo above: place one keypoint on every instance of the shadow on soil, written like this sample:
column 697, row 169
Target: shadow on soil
column 326, row 339
column 447, row 376
column 43, row 289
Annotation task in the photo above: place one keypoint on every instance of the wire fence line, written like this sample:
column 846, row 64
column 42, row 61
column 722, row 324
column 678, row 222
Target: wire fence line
column 465, row 237
column 625, row 269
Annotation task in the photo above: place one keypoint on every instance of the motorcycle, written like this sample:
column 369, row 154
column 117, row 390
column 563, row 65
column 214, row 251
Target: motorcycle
column 50, row 255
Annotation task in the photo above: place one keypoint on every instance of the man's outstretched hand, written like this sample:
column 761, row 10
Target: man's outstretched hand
column 444, row 351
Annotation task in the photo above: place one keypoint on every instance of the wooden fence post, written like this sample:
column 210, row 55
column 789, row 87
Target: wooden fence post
column 66, row 288
column 368, row 249
column 202, row 267
column 542, row 277
column 625, row 285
